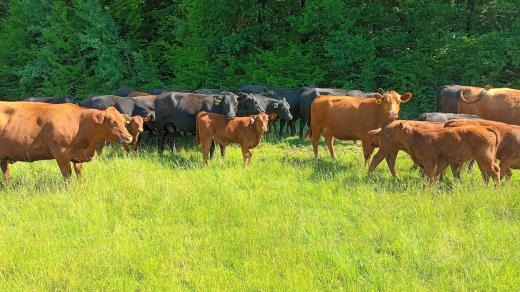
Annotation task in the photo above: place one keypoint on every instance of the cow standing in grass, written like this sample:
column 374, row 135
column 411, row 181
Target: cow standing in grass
column 351, row 118
column 244, row 131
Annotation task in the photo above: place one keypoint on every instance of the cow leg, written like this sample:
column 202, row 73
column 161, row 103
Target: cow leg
column 137, row 142
column 375, row 162
column 489, row 168
column 292, row 125
column 330, row 144
column 222, row 150
column 64, row 165
column 206, row 147
column 441, row 168
column 302, row 126
column 283, row 123
column 315, row 139
column 471, row 164
column 174, row 142
column 125, row 146
column 77, row 169
column 390, row 161
column 246, row 153
column 455, row 170
column 367, row 151
column 429, row 171
column 161, row 140
column 212, row 149
column 505, row 168
column 5, row 168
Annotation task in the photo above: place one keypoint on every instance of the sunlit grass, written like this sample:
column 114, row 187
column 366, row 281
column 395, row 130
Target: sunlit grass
column 142, row 221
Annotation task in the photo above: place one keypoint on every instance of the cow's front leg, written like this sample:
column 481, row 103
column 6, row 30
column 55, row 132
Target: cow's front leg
column 5, row 168
column 77, row 169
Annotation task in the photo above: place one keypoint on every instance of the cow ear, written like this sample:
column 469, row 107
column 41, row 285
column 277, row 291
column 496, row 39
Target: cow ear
column 252, row 119
column 126, row 117
column 378, row 97
column 272, row 116
column 405, row 97
column 99, row 117
column 146, row 119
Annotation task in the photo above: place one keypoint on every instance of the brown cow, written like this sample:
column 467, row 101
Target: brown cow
column 351, row 118
column 137, row 93
column 245, row 131
column 508, row 151
column 497, row 104
column 434, row 150
column 65, row 132
column 390, row 147
column 135, row 125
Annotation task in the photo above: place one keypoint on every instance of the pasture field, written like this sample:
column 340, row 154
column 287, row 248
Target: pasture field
column 287, row 222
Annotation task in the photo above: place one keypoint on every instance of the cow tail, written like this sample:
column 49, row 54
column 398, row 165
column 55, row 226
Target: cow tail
column 497, row 136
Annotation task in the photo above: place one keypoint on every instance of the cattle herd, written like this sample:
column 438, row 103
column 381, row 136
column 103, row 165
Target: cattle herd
column 474, row 124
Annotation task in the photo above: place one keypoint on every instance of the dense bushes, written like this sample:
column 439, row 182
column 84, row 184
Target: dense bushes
column 82, row 47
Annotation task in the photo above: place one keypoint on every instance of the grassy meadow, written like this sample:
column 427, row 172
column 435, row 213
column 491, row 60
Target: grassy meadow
column 287, row 222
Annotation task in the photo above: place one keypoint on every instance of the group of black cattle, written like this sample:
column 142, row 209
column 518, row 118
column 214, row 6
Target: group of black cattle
column 173, row 111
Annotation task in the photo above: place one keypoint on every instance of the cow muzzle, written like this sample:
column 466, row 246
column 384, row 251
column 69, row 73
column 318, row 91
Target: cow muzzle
column 125, row 140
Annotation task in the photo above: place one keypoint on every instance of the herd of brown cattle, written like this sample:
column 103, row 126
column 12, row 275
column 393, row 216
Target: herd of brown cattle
column 31, row 131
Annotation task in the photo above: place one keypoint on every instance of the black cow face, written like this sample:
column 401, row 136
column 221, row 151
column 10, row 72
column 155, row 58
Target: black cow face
column 229, row 105
column 248, row 105
column 282, row 109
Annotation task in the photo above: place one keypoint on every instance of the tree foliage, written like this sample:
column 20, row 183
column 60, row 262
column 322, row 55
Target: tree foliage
column 74, row 47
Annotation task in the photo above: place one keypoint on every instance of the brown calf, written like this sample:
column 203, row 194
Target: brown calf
column 245, row 131
column 435, row 149
column 508, row 151
column 134, row 125
column 389, row 146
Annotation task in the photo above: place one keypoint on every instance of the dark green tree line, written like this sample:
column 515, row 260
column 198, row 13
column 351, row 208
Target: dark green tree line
column 73, row 47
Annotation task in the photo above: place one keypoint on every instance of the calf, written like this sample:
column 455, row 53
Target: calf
column 434, row 150
column 135, row 126
column 245, row 131
column 388, row 148
column 508, row 150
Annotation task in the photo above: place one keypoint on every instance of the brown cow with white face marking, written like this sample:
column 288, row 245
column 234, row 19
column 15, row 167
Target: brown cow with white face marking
column 351, row 118
column 65, row 132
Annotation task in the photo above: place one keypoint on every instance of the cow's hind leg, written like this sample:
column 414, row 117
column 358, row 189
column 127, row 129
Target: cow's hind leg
column 455, row 170
column 330, row 145
column 206, row 147
column 5, row 168
column 441, row 169
column 77, row 169
column 222, row 150
column 377, row 159
column 367, row 151
column 315, row 139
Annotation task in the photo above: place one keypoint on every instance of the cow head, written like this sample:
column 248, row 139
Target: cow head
column 113, row 125
column 282, row 109
column 229, row 105
column 261, row 122
column 135, row 125
column 248, row 104
column 390, row 103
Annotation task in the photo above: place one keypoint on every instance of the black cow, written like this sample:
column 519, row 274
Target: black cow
column 253, row 88
column 280, row 107
column 124, row 91
column 124, row 105
column 292, row 96
column 448, row 98
column 58, row 100
column 444, row 117
column 176, row 112
column 209, row 91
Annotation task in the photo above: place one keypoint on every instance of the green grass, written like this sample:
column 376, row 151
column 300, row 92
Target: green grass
column 286, row 222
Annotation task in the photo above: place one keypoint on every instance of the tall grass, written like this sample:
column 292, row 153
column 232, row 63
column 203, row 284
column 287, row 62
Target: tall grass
column 287, row 222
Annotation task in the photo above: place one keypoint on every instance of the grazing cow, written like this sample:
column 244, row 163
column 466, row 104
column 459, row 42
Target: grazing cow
column 508, row 150
column 436, row 149
column 389, row 145
column 65, row 132
column 271, row 105
column 389, row 149
column 496, row 104
column 245, row 131
column 351, row 118
column 444, row 117
column 176, row 112
column 58, row 100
